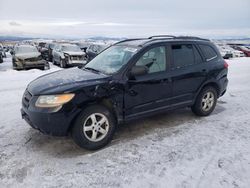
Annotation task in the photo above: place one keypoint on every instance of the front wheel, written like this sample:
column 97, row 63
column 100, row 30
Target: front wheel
column 205, row 101
column 62, row 63
column 94, row 128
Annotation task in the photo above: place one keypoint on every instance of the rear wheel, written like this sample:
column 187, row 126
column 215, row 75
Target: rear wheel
column 205, row 101
column 94, row 128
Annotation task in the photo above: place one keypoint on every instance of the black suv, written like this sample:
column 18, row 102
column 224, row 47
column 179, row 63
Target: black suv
column 131, row 79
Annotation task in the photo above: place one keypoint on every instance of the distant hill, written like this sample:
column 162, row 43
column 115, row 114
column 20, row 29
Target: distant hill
column 14, row 38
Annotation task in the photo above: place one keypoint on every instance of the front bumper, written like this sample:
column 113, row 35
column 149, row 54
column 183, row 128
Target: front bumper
column 33, row 64
column 48, row 121
column 76, row 62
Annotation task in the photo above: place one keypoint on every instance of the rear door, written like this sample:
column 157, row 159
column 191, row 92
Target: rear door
column 187, row 72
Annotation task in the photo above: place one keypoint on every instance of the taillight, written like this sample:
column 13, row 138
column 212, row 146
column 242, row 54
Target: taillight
column 225, row 65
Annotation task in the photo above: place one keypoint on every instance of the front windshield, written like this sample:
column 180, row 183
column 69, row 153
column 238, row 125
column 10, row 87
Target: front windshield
column 72, row 48
column 112, row 59
column 26, row 49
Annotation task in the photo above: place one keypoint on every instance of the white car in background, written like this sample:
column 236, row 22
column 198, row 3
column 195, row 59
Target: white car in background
column 235, row 53
column 68, row 55
column 225, row 53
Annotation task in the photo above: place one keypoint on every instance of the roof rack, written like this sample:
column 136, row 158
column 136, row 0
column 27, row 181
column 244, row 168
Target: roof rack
column 162, row 36
column 126, row 40
column 191, row 37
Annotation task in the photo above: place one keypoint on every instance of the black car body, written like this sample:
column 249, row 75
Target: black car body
column 137, row 89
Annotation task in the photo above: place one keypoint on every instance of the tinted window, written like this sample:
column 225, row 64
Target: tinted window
column 208, row 52
column 154, row 59
column 183, row 55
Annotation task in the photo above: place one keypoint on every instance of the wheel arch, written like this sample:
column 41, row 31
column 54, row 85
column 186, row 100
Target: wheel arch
column 106, row 102
column 209, row 83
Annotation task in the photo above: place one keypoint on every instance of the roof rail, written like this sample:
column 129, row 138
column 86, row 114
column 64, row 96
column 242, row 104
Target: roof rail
column 126, row 40
column 161, row 36
column 191, row 37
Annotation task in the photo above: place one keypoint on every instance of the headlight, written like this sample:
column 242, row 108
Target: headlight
column 47, row 101
column 18, row 59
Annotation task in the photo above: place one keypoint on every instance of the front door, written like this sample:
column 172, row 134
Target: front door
column 152, row 91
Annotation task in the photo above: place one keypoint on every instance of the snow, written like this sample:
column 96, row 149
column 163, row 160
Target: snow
column 174, row 149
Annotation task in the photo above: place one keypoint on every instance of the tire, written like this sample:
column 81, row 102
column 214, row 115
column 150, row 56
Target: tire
column 205, row 101
column 62, row 63
column 87, row 139
column 53, row 61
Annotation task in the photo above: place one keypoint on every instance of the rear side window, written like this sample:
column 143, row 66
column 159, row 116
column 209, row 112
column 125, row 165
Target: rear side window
column 185, row 55
column 208, row 52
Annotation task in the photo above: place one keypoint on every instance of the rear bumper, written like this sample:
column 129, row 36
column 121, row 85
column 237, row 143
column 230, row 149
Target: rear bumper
column 227, row 56
column 223, row 82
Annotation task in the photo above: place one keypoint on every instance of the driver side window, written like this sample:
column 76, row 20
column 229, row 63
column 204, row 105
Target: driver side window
column 154, row 59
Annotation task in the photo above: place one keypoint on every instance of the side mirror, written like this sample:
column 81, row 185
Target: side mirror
column 138, row 70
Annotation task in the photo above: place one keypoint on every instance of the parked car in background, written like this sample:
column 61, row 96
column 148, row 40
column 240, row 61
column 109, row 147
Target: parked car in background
column 68, row 55
column 235, row 53
column 26, row 57
column 2, row 51
column 83, row 45
column 225, row 53
column 44, row 52
column 244, row 49
column 1, row 58
column 50, row 47
column 94, row 49
column 131, row 79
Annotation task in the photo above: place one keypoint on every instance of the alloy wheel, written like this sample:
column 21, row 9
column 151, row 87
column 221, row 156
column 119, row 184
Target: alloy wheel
column 96, row 127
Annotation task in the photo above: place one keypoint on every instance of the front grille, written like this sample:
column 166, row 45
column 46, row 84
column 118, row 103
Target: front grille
column 76, row 57
column 26, row 98
column 33, row 59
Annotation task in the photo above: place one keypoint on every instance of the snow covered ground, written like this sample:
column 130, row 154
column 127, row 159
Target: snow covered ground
column 175, row 149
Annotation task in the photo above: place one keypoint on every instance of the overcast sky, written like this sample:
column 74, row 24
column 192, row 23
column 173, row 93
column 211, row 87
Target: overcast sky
column 126, row 18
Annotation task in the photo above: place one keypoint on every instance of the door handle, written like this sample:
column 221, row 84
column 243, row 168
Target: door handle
column 204, row 70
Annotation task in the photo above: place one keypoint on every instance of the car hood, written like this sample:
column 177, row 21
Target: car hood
column 65, row 81
column 28, row 55
column 73, row 53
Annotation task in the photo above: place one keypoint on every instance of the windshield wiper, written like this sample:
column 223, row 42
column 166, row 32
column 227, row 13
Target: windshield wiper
column 92, row 69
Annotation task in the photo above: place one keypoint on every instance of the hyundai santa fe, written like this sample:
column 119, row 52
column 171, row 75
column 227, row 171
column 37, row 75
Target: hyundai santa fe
column 131, row 79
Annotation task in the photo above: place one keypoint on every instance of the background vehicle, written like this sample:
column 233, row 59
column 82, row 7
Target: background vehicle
column 2, row 51
column 83, row 46
column 131, row 79
column 225, row 53
column 94, row 49
column 27, row 56
column 244, row 49
column 50, row 47
column 1, row 58
column 68, row 55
